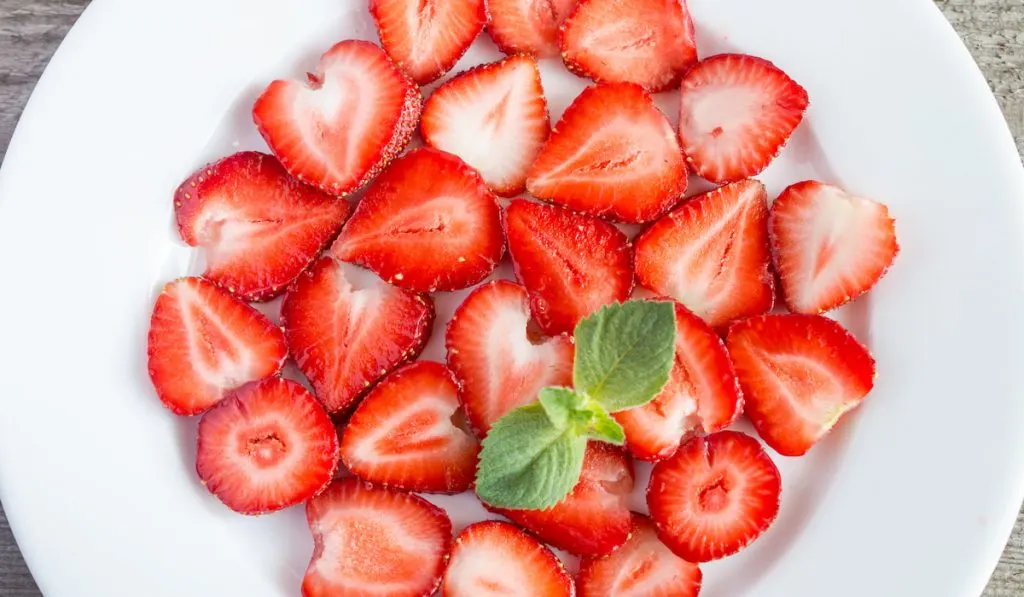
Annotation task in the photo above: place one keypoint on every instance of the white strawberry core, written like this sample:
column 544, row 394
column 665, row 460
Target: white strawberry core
column 223, row 371
column 485, row 570
column 437, row 411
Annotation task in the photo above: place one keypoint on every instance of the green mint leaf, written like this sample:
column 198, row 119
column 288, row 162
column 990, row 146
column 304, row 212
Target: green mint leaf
column 528, row 463
column 624, row 353
column 604, row 428
column 560, row 404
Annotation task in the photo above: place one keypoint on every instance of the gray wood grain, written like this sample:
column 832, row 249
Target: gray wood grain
column 30, row 31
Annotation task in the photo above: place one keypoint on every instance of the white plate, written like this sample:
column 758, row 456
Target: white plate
column 914, row 495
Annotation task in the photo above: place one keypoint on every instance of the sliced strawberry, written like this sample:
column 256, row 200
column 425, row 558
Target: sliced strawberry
column 498, row 364
column 371, row 541
column 428, row 223
column 527, row 26
column 405, row 433
column 712, row 254
column 829, row 246
column 715, row 496
column 736, row 113
column 800, row 374
column 345, row 338
column 494, row 117
column 495, row 559
column 426, row 38
column 595, row 518
column 343, row 125
column 258, row 227
column 570, row 263
column 702, row 394
column 642, row 567
column 647, row 42
column 204, row 342
column 613, row 155
column 269, row 445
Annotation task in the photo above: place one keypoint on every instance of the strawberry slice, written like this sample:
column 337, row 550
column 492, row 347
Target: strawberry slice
column 647, row 42
column 715, row 496
column 427, row 224
column 426, row 38
column 735, row 115
column 494, row 117
column 613, row 155
column 487, row 329
column 642, row 567
column 571, row 264
column 269, row 445
column 405, row 433
column 595, row 518
column 495, row 559
column 829, row 246
column 343, row 125
column 204, row 342
column 702, row 394
column 371, row 541
column 345, row 338
column 258, row 227
column 527, row 26
column 800, row 374
column 712, row 254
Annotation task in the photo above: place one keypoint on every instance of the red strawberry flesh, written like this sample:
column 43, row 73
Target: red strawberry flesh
column 204, row 342
column 527, row 26
column 344, row 338
column 269, row 445
column 714, row 496
column 258, row 227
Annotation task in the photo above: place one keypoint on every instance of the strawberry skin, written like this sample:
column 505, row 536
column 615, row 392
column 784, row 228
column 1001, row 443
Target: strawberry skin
column 702, row 394
column 647, row 42
column 489, row 326
column 203, row 342
column 495, row 559
column 343, row 125
column 269, row 445
column 712, row 254
column 800, row 375
column 426, row 38
column 428, row 223
column 403, row 433
column 714, row 496
column 571, row 264
column 595, row 518
column 829, row 246
column 642, row 567
column 527, row 26
column 345, row 338
column 258, row 227
column 494, row 117
column 372, row 541
column 613, row 155
column 736, row 113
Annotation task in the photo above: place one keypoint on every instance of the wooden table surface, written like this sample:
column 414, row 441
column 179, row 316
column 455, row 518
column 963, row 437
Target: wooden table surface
column 30, row 31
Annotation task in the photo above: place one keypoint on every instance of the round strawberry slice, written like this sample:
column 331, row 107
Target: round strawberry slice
column 488, row 328
column 374, row 542
column 594, row 519
column 344, row 338
column 702, row 394
column 341, row 126
column 642, row 567
column 428, row 223
column 714, row 496
column 800, row 375
column 203, row 342
column 269, row 445
column 495, row 559
column 258, row 227
column 404, row 433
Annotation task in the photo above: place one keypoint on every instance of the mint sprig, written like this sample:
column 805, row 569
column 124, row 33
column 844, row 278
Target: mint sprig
column 532, row 457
